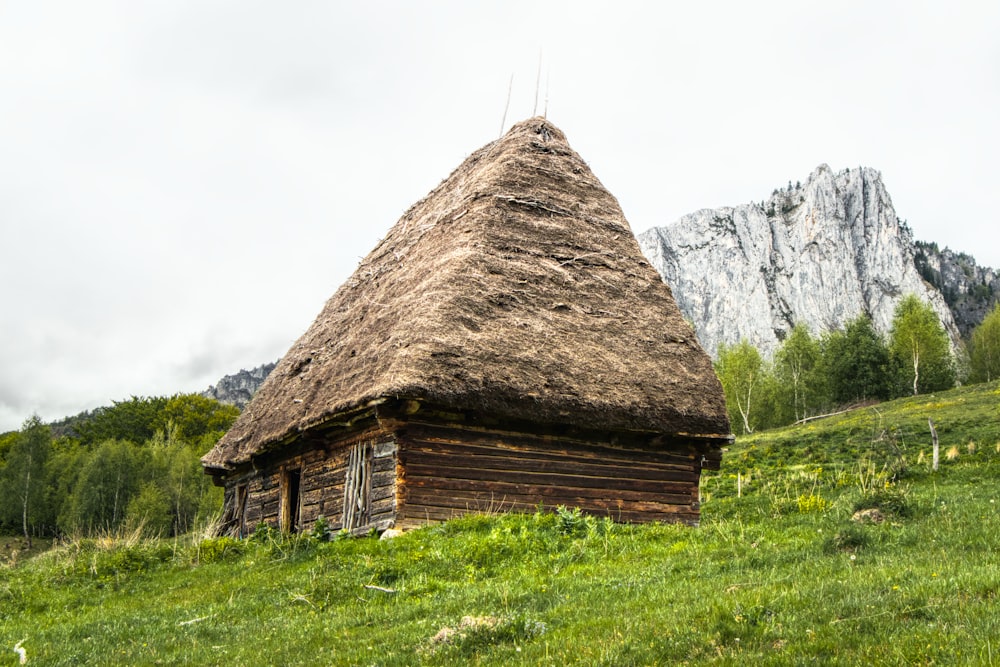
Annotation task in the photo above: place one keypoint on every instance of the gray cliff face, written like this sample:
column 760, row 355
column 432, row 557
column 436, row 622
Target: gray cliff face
column 237, row 389
column 970, row 290
column 820, row 253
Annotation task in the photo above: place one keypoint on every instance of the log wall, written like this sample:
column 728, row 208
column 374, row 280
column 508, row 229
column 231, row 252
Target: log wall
column 450, row 471
column 404, row 472
column 323, row 461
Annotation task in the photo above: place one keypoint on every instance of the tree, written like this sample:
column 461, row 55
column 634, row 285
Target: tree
column 23, row 484
column 179, row 476
column 135, row 420
column 795, row 365
column 856, row 363
column 920, row 349
column 7, row 441
column 742, row 373
column 985, row 361
column 198, row 420
column 149, row 509
column 63, row 470
column 110, row 477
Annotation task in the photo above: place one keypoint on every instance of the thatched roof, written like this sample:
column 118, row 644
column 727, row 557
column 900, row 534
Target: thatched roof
column 514, row 289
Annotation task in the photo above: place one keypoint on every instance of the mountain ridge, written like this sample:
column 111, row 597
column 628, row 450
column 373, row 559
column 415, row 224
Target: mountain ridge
column 238, row 388
column 820, row 253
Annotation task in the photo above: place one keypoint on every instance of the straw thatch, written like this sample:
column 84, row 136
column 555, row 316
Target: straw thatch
column 514, row 289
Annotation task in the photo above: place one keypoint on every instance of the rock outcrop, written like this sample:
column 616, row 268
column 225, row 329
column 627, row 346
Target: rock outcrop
column 819, row 253
column 237, row 389
column 970, row 290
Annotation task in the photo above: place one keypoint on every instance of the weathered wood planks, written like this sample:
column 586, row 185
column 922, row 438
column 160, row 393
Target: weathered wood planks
column 405, row 472
column 449, row 472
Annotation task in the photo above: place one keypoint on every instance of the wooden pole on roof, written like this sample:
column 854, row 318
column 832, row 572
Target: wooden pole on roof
column 503, row 121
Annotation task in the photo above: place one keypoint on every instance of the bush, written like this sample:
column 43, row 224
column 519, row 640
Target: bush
column 812, row 503
column 150, row 511
column 130, row 559
column 321, row 529
column 892, row 500
column 219, row 549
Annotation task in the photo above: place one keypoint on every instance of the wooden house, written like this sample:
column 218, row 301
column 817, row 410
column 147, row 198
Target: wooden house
column 505, row 347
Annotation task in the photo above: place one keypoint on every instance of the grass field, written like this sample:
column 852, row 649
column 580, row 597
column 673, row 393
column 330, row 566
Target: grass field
column 781, row 571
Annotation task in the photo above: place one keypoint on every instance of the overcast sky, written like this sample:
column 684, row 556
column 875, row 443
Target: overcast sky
column 184, row 184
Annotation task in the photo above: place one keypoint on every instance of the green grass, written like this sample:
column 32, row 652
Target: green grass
column 14, row 549
column 780, row 574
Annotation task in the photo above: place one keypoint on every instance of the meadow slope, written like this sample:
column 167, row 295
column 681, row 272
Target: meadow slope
column 828, row 543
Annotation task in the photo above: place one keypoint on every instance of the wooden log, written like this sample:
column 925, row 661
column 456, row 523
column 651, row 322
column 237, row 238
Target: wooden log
column 384, row 464
column 536, row 478
column 683, row 455
column 383, row 479
column 667, row 493
column 382, row 506
column 326, row 480
column 538, row 464
column 481, row 501
column 382, row 492
column 415, row 515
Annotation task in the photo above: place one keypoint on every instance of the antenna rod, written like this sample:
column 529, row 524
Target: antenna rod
column 510, row 87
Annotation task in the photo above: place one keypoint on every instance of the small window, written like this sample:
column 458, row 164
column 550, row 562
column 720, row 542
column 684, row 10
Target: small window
column 290, row 500
column 358, row 486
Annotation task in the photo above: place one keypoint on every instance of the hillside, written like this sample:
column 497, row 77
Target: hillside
column 778, row 572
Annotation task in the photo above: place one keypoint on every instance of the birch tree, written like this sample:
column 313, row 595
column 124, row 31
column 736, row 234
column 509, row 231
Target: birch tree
column 920, row 349
column 23, row 483
column 742, row 373
column 795, row 365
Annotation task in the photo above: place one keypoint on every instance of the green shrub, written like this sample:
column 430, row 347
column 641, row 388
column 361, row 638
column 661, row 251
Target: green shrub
column 320, row 529
column 129, row 559
column 892, row 500
column 219, row 549
column 812, row 503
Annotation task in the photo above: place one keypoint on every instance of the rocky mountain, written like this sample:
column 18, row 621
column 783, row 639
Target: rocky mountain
column 970, row 290
column 239, row 387
column 820, row 253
